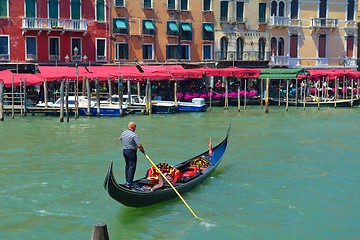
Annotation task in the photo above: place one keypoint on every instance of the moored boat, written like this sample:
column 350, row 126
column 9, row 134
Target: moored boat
column 313, row 103
column 196, row 105
column 140, row 194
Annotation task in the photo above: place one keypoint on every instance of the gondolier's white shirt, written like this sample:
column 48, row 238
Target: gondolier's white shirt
column 130, row 140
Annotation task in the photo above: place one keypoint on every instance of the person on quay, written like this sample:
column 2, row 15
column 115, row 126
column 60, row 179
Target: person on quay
column 131, row 143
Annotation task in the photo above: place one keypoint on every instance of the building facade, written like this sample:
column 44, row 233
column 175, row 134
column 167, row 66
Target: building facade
column 162, row 31
column 53, row 31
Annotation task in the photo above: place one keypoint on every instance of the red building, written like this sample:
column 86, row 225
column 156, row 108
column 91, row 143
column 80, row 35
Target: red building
column 47, row 31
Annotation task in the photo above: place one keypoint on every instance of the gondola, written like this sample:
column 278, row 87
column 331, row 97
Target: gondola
column 140, row 193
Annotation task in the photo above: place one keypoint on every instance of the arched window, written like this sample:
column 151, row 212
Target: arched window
column 322, row 45
column 273, row 11
column 239, row 48
column 350, row 46
column 261, row 46
column 281, row 47
column 350, row 10
column 223, row 48
column 294, row 9
column 281, row 9
column 273, row 46
column 294, row 45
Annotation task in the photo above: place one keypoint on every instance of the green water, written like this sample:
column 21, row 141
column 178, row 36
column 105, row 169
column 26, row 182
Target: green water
column 285, row 175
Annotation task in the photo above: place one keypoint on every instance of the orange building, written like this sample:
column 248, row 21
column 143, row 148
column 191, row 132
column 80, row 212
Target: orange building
column 162, row 32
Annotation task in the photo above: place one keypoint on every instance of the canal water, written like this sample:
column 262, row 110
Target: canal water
column 285, row 175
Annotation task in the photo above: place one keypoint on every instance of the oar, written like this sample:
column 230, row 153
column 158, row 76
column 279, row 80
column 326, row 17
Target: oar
column 187, row 205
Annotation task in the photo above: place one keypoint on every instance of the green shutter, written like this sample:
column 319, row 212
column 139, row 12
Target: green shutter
column 100, row 10
column 184, row 4
column 54, row 9
column 262, row 12
column 75, row 9
column 30, row 8
column 126, row 51
column 149, row 25
column 208, row 27
column 186, row 27
column 239, row 11
column 223, row 10
column 120, row 23
column 3, row 8
column 173, row 27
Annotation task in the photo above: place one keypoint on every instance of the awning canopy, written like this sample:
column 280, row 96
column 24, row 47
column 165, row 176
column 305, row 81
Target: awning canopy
column 186, row 27
column 120, row 23
column 173, row 27
column 149, row 25
column 31, row 79
column 208, row 27
column 281, row 73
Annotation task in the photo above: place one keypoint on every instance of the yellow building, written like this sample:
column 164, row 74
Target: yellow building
column 279, row 33
column 162, row 31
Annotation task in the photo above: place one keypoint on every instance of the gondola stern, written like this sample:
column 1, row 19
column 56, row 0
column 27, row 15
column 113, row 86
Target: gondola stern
column 108, row 175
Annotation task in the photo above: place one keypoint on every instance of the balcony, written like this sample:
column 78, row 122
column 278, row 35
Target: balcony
column 101, row 58
column 324, row 23
column 46, row 24
column 279, row 21
column 241, row 56
column 53, row 58
column 31, row 57
column 280, row 61
column 351, row 24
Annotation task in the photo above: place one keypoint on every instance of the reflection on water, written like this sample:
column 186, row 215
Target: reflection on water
column 282, row 175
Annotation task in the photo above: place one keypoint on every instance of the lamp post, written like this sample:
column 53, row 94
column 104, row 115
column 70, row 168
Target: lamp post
column 75, row 63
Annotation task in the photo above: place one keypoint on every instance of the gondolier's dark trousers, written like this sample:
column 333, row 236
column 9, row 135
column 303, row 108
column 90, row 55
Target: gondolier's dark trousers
column 130, row 164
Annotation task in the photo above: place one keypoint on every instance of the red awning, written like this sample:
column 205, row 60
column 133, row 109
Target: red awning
column 31, row 79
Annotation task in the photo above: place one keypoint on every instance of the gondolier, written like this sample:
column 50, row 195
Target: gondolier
column 131, row 143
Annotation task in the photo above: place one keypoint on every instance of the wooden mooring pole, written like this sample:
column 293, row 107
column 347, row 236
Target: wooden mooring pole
column 88, row 92
column 1, row 101
column 62, row 101
column 100, row 232
column 25, row 96
column 120, row 94
column 97, row 85
column 267, row 96
column 67, row 86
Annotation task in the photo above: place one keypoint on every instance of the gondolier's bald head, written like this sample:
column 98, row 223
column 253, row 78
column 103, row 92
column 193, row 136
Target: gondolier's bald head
column 132, row 126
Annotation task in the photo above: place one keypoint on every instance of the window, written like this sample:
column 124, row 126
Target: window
column 184, row 52
column 147, row 50
column 322, row 45
column 240, row 48
column 207, row 5
column 76, row 43
column 281, row 47
column 223, row 48
column 172, row 28
column 350, row 46
column 53, row 8
column 224, row 5
column 119, row 3
column 54, row 49
column 147, row 4
column 185, row 31
column 273, row 8
column 172, row 51
column 281, row 9
column 30, row 8
column 100, row 50
column 350, row 10
column 294, row 9
column 100, row 10
column 208, row 31
column 171, row 4
column 31, row 53
column 207, row 52
column 294, row 45
column 322, row 8
column 120, row 25
column 4, row 48
column 149, row 27
column 261, row 46
column 184, row 5
column 262, row 12
column 4, row 8
column 121, row 51
column 239, row 11
column 273, row 46
column 75, row 8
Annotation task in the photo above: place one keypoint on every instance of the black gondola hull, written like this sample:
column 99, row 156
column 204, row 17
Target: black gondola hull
column 134, row 198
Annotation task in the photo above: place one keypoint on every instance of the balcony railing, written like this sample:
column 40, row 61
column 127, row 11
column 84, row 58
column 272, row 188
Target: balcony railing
column 54, row 24
column 31, row 57
column 324, row 23
column 280, row 60
column 241, row 56
column 350, row 24
column 54, row 58
column 101, row 58
column 295, row 22
column 279, row 21
column 224, row 19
